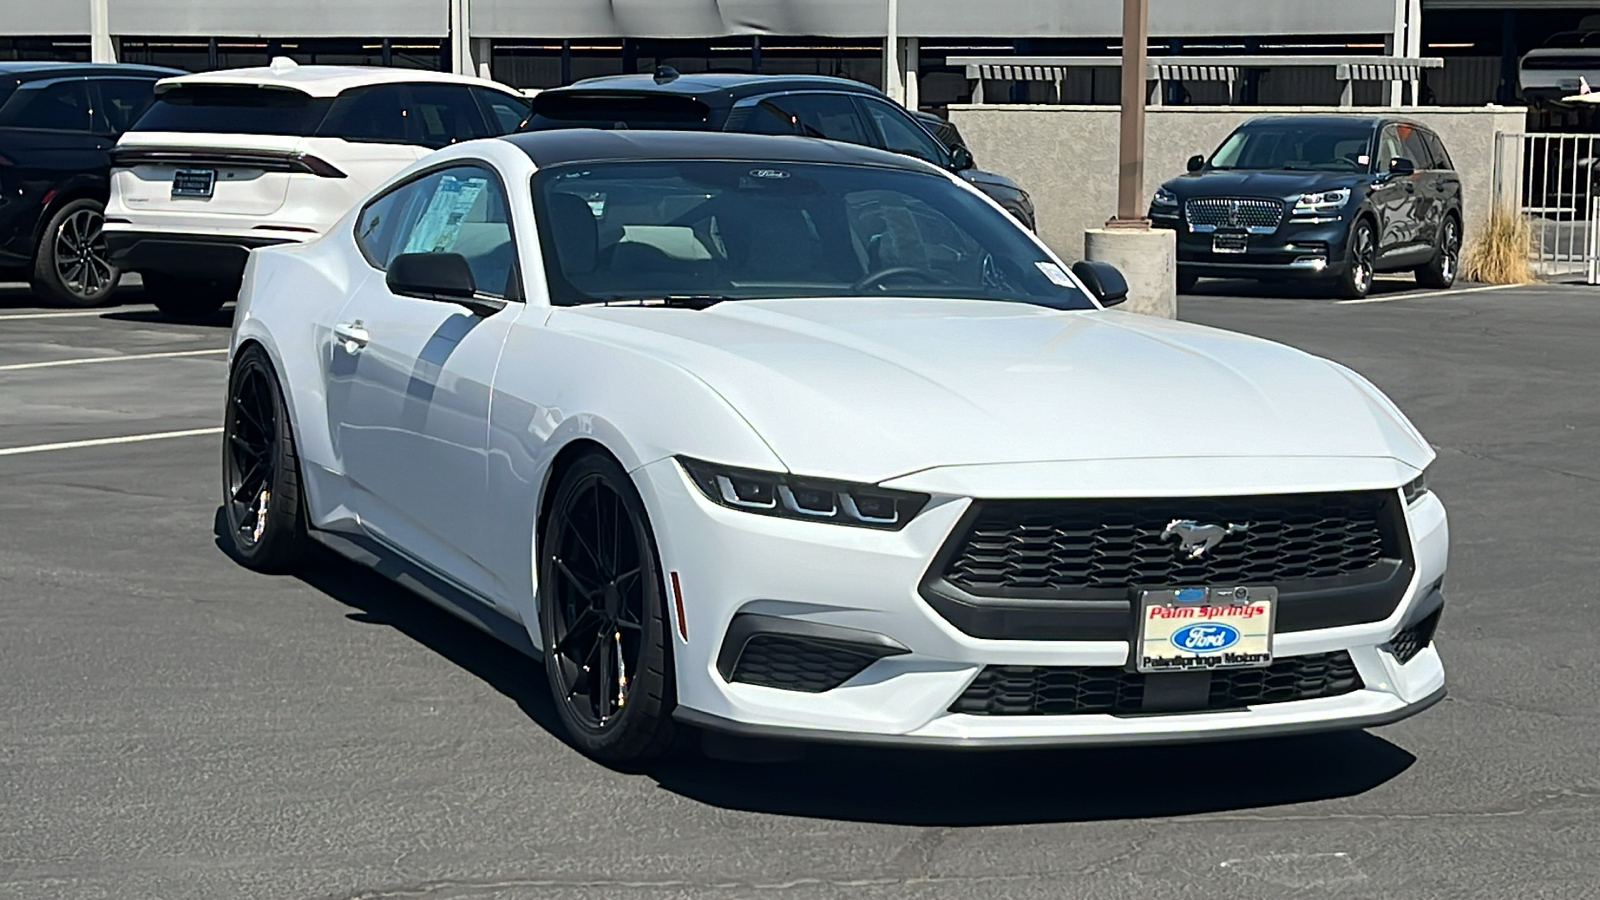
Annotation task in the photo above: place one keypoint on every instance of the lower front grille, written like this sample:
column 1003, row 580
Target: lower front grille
column 1410, row 641
column 1073, row 690
column 796, row 664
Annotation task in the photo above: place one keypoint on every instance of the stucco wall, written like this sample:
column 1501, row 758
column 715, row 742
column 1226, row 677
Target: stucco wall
column 1066, row 156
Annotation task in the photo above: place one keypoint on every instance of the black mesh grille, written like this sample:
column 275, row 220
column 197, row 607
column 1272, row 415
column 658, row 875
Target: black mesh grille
column 1021, row 548
column 1410, row 641
column 797, row 664
column 1069, row 690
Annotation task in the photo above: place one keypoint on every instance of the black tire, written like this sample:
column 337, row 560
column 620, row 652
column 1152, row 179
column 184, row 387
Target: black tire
column 70, row 265
column 602, row 617
column 1186, row 281
column 1360, row 263
column 261, row 497
column 1441, row 272
column 187, row 299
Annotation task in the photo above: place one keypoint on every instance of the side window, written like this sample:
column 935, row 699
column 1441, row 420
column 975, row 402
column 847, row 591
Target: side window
column 1389, row 147
column 770, row 116
column 121, row 101
column 368, row 115
column 1441, row 158
column 442, row 114
column 1412, row 146
column 831, row 116
column 504, row 112
column 55, row 105
column 462, row 210
column 902, row 135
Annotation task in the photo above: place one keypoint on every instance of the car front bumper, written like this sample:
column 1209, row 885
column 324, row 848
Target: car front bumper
column 1293, row 251
column 728, row 563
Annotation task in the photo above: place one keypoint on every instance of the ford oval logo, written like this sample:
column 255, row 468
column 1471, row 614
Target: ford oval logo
column 1205, row 637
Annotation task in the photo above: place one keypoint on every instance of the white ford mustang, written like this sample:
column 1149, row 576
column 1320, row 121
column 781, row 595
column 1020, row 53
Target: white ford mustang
column 781, row 437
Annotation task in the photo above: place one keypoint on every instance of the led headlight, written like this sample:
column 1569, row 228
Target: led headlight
column 807, row 499
column 1415, row 488
column 1322, row 202
column 1164, row 197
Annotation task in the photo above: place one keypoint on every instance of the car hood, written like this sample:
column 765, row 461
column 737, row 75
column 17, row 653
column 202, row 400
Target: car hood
column 1263, row 183
column 989, row 179
column 868, row 389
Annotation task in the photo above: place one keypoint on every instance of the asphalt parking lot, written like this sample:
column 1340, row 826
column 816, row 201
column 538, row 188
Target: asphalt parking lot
column 175, row 726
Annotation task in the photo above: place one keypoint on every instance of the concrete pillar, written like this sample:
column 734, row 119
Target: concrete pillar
column 102, row 49
column 912, row 61
column 461, row 61
column 1147, row 258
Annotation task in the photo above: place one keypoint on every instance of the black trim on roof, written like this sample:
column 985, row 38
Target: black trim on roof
column 569, row 145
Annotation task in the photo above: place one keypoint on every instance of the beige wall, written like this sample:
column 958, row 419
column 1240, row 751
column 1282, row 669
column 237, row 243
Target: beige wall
column 1066, row 156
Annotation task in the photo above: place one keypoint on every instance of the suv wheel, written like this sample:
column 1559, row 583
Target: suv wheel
column 1441, row 272
column 187, row 299
column 70, row 267
column 1361, row 260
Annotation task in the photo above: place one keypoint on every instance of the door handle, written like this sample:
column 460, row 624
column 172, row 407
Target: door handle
column 352, row 336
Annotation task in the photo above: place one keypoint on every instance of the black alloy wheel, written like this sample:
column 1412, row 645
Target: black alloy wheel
column 71, row 267
column 602, row 616
column 260, row 471
column 1440, row 272
column 1361, row 262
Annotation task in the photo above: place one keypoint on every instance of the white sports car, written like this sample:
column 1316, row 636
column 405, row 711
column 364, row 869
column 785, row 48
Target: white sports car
column 782, row 437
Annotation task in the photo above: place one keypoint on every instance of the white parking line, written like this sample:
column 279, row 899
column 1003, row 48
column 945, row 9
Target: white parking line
column 72, row 315
column 102, row 442
column 1416, row 295
column 105, row 359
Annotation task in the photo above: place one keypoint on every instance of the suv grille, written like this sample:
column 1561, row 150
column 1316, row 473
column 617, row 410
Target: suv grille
column 1072, row 690
column 1211, row 213
column 1022, row 548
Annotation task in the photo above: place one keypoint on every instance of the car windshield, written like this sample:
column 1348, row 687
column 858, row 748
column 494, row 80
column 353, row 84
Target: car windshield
column 713, row 230
column 1320, row 147
column 234, row 109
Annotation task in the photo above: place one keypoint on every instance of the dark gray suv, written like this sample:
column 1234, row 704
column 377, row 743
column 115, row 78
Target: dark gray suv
column 1327, row 198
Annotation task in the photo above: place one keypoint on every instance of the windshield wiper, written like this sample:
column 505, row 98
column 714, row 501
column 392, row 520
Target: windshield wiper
column 672, row 301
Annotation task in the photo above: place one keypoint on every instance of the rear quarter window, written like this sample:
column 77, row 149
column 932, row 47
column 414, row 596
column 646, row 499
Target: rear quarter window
column 231, row 109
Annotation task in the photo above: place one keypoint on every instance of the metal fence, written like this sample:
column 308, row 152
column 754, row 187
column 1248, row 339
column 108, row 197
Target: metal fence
column 1553, row 181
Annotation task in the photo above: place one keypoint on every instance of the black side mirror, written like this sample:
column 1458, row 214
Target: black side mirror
column 1400, row 167
column 439, row 276
column 1196, row 163
column 961, row 159
column 1103, row 280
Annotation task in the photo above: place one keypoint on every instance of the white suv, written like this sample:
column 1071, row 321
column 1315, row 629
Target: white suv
column 231, row 160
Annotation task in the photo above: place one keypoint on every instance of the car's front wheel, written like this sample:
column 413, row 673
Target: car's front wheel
column 1440, row 273
column 261, row 492
column 70, row 266
column 1361, row 261
column 602, row 617
column 187, row 299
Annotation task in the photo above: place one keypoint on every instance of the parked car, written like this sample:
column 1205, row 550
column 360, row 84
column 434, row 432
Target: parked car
column 793, row 438
column 1006, row 192
column 812, row 105
column 1326, row 197
column 231, row 160
column 1564, row 65
column 58, row 123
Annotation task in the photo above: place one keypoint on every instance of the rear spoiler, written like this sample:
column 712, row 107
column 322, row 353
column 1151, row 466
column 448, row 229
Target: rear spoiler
column 269, row 160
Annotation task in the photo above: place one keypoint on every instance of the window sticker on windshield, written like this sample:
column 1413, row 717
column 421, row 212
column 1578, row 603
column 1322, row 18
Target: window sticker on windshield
column 1054, row 273
column 436, row 231
column 1363, row 160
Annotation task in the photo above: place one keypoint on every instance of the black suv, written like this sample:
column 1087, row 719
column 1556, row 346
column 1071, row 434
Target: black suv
column 1326, row 198
column 58, row 123
column 813, row 105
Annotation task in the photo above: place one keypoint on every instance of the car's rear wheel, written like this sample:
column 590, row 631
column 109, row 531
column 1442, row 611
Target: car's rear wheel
column 602, row 617
column 261, row 493
column 187, row 299
column 1361, row 261
column 70, row 266
column 1440, row 273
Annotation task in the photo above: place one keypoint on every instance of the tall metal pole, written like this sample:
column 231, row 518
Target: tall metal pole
column 893, row 83
column 1130, row 157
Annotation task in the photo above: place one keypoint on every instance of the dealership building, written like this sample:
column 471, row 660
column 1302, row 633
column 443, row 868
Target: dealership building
column 543, row 43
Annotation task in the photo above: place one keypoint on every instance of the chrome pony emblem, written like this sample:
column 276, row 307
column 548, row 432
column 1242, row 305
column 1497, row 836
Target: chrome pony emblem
column 1195, row 538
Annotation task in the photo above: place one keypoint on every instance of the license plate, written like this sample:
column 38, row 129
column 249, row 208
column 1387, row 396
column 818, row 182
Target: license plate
column 193, row 182
column 1202, row 628
column 1229, row 243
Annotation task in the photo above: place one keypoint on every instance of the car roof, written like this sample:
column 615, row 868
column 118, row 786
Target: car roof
column 59, row 69
column 1372, row 122
column 320, row 81
column 578, row 145
column 731, row 84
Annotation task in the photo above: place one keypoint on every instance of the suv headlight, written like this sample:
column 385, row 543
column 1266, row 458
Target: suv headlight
column 807, row 499
column 1164, row 197
column 1322, row 203
column 1415, row 488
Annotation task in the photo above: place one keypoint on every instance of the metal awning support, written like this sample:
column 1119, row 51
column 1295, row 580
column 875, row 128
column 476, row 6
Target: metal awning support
column 1158, row 71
